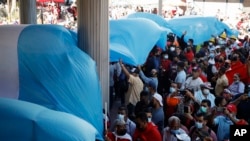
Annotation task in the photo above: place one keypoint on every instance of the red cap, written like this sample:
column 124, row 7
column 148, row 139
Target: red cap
column 242, row 122
column 232, row 108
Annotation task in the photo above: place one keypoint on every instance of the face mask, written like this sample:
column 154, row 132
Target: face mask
column 206, row 91
column 175, row 131
column 210, row 43
column 172, row 48
column 237, row 81
column 171, row 89
column 198, row 125
column 221, row 42
column 211, row 55
column 203, row 109
column 120, row 117
column 121, row 132
column 149, row 119
column 165, row 56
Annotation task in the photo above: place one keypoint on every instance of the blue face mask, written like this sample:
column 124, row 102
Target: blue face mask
column 171, row 89
column 203, row 109
column 198, row 125
column 175, row 131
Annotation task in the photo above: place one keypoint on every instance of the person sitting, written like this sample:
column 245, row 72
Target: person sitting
column 120, row 133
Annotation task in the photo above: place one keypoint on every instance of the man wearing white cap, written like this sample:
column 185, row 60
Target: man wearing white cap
column 157, row 111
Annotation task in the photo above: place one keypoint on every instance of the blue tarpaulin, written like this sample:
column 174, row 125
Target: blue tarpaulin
column 55, row 73
column 132, row 39
column 25, row 121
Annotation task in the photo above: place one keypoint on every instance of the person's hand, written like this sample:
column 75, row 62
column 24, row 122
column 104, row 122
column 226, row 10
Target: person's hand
column 226, row 112
column 120, row 61
column 185, row 32
column 244, row 97
column 139, row 67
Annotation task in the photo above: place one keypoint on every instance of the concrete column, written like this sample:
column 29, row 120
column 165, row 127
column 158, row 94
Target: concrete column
column 93, row 36
column 160, row 7
column 28, row 12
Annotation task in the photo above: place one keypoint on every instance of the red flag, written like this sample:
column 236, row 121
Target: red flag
column 242, row 70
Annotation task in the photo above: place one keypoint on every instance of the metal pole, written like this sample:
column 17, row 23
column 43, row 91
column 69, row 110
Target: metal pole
column 28, row 12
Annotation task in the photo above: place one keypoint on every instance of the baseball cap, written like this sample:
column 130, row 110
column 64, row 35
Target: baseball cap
column 158, row 97
column 152, row 84
column 206, row 85
column 196, row 68
column 231, row 108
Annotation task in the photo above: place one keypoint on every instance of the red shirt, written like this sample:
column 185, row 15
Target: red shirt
column 151, row 133
column 189, row 56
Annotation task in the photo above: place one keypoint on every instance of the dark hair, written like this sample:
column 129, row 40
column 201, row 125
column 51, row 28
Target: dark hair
column 144, row 93
column 142, row 116
column 148, row 110
column 191, row 40
column 123, row 108
column 218, row 100
column 206, row 101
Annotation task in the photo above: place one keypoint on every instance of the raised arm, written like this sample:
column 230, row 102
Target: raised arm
column 124, row 69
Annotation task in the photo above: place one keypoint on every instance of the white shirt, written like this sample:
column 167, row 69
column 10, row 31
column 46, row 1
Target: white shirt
column 199, row 97
column 181, row 78
column 193, row 84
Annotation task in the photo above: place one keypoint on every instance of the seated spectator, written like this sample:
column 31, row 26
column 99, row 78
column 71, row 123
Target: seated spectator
column 171, row 132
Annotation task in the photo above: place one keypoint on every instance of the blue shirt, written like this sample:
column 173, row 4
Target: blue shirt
column 223, row 132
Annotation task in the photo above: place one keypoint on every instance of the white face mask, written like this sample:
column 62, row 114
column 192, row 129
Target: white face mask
column 120, row 117
column 172, row 48
column 206, row 91
column 149, row 119
column 210, row 43
column 172, row 90
column 198, row 125
column 165, row 56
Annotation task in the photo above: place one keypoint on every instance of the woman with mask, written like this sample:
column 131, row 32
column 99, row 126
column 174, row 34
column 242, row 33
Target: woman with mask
column 120, row 133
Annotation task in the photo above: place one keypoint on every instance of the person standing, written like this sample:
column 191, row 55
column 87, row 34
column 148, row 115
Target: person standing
column 132, row 96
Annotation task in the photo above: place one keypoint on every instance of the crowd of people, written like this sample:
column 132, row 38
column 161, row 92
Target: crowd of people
column 183, row 93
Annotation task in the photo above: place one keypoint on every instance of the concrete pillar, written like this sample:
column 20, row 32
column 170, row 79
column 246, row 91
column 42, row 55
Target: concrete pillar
column 28, row 12
column 93, row 36
column 160, row 7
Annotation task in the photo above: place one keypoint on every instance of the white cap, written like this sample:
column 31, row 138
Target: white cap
column 158, row 97
column 183, row 137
